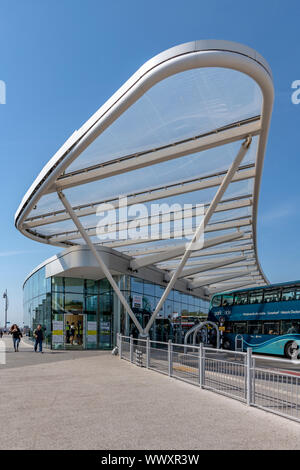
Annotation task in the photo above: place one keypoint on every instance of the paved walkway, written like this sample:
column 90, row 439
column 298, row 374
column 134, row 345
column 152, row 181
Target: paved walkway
column 82, row 400
column 26, row 355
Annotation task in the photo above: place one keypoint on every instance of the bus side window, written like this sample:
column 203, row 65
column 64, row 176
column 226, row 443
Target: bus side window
column 271, row 296
column 240, row 328
column 254, row 328
column 216, row 301
column 290, row 326
column 241, row 299
column 255, row 297
column 271, row 328
column 227, row 300
column 288, row 294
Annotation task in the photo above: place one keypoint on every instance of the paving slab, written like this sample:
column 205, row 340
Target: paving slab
column 96, row 401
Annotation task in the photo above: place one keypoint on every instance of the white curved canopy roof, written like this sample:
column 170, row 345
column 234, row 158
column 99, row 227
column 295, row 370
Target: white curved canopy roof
column 169, row 135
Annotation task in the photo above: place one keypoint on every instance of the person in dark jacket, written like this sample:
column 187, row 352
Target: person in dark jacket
column 16, row 336
column 39, row 336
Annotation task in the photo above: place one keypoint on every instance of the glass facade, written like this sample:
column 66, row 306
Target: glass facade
column 37, row 304
column 86, row 314
column 179, row 312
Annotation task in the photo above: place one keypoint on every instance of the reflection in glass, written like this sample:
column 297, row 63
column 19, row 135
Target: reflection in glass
column 98, row 314
column 91, row 286
column 137, row 285
column 57, row 284
column 73, row 303
column 74, row 285
column 91, row 303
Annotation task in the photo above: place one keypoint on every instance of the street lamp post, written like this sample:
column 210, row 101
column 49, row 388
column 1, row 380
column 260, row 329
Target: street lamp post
column 6, row 307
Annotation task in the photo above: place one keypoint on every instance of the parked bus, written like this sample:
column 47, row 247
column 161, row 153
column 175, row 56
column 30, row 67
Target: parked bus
column 266, row 318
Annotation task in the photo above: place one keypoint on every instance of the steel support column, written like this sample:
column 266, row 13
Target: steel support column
column 97, row 255
column 221, row 190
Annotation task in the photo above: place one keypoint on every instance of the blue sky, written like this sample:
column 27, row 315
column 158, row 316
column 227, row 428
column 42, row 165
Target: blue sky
column 61, row 59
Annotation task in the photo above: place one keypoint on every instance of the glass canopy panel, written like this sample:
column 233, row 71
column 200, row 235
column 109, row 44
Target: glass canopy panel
column 203, row 259
column 170, row 172
column 231, row 269
column 187, row 225
column 236, row 189
column 147, row 245
column 64, row 227
column 91, row 221
column 180, row 107
column 217, row 255
column 140, row 252
column 57, row 228
column 231, row 214
column 47, row 204
column 219, row 233
column 141, row 242
column 50, row 203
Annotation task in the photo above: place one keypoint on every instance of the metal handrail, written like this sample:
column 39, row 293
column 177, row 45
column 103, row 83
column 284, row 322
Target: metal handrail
column 275, row 359
column 266, row 388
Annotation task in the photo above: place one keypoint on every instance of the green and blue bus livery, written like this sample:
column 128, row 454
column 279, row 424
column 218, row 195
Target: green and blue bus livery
column 267, row 318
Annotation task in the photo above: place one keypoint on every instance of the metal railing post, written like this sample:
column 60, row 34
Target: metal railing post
column 249, row 376
column 170, row 358
column 131, row 348
column 201, row 365
column 148, row 353
column 120, row 345
column 253, row 381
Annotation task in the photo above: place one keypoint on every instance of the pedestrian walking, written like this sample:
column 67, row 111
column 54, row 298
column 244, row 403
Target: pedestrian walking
column 39, row 336
column 68, row 332
column 16, row 336
column 72, row 333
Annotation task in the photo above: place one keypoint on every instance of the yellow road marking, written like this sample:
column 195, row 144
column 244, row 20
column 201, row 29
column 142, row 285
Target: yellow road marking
column 185, row 368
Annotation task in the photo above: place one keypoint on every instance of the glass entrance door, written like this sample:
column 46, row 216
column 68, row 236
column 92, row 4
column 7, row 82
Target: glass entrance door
column 74, row 331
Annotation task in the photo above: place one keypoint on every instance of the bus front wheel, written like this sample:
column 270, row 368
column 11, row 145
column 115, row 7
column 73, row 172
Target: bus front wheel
column 289, row 349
